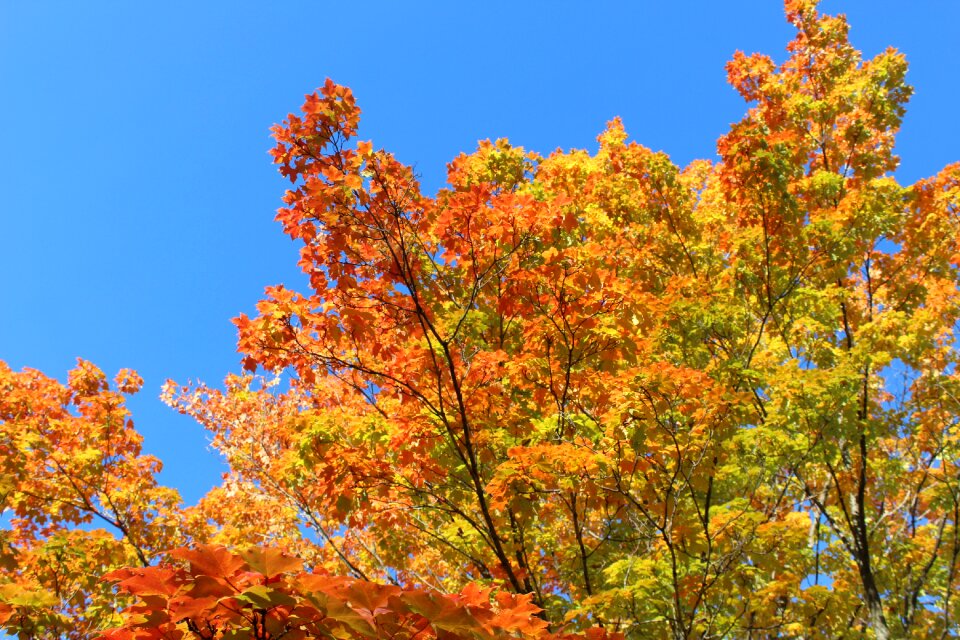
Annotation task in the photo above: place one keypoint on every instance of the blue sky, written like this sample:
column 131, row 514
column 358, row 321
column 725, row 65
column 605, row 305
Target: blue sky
column 137, row 196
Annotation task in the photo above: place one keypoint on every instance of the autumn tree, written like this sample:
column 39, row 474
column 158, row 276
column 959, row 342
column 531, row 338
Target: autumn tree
column 78, row 499
column 717, row 401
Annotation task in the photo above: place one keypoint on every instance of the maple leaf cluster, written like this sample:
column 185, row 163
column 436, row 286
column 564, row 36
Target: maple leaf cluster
column 257, row 593
column 583, row 393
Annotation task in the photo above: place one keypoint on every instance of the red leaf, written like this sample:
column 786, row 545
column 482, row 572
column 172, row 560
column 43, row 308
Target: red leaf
column 210, row 560
column 270, row 562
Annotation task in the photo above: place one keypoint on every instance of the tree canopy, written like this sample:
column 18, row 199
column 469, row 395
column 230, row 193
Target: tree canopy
column 632, row 399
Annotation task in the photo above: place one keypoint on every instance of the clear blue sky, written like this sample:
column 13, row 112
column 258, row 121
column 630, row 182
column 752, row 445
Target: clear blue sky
column 137, row 197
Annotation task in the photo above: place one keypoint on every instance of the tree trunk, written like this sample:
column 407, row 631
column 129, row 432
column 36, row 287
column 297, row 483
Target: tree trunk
column 874, row 605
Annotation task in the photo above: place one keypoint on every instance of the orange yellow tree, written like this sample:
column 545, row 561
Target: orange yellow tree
column 717, row 401
column 78, row 499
